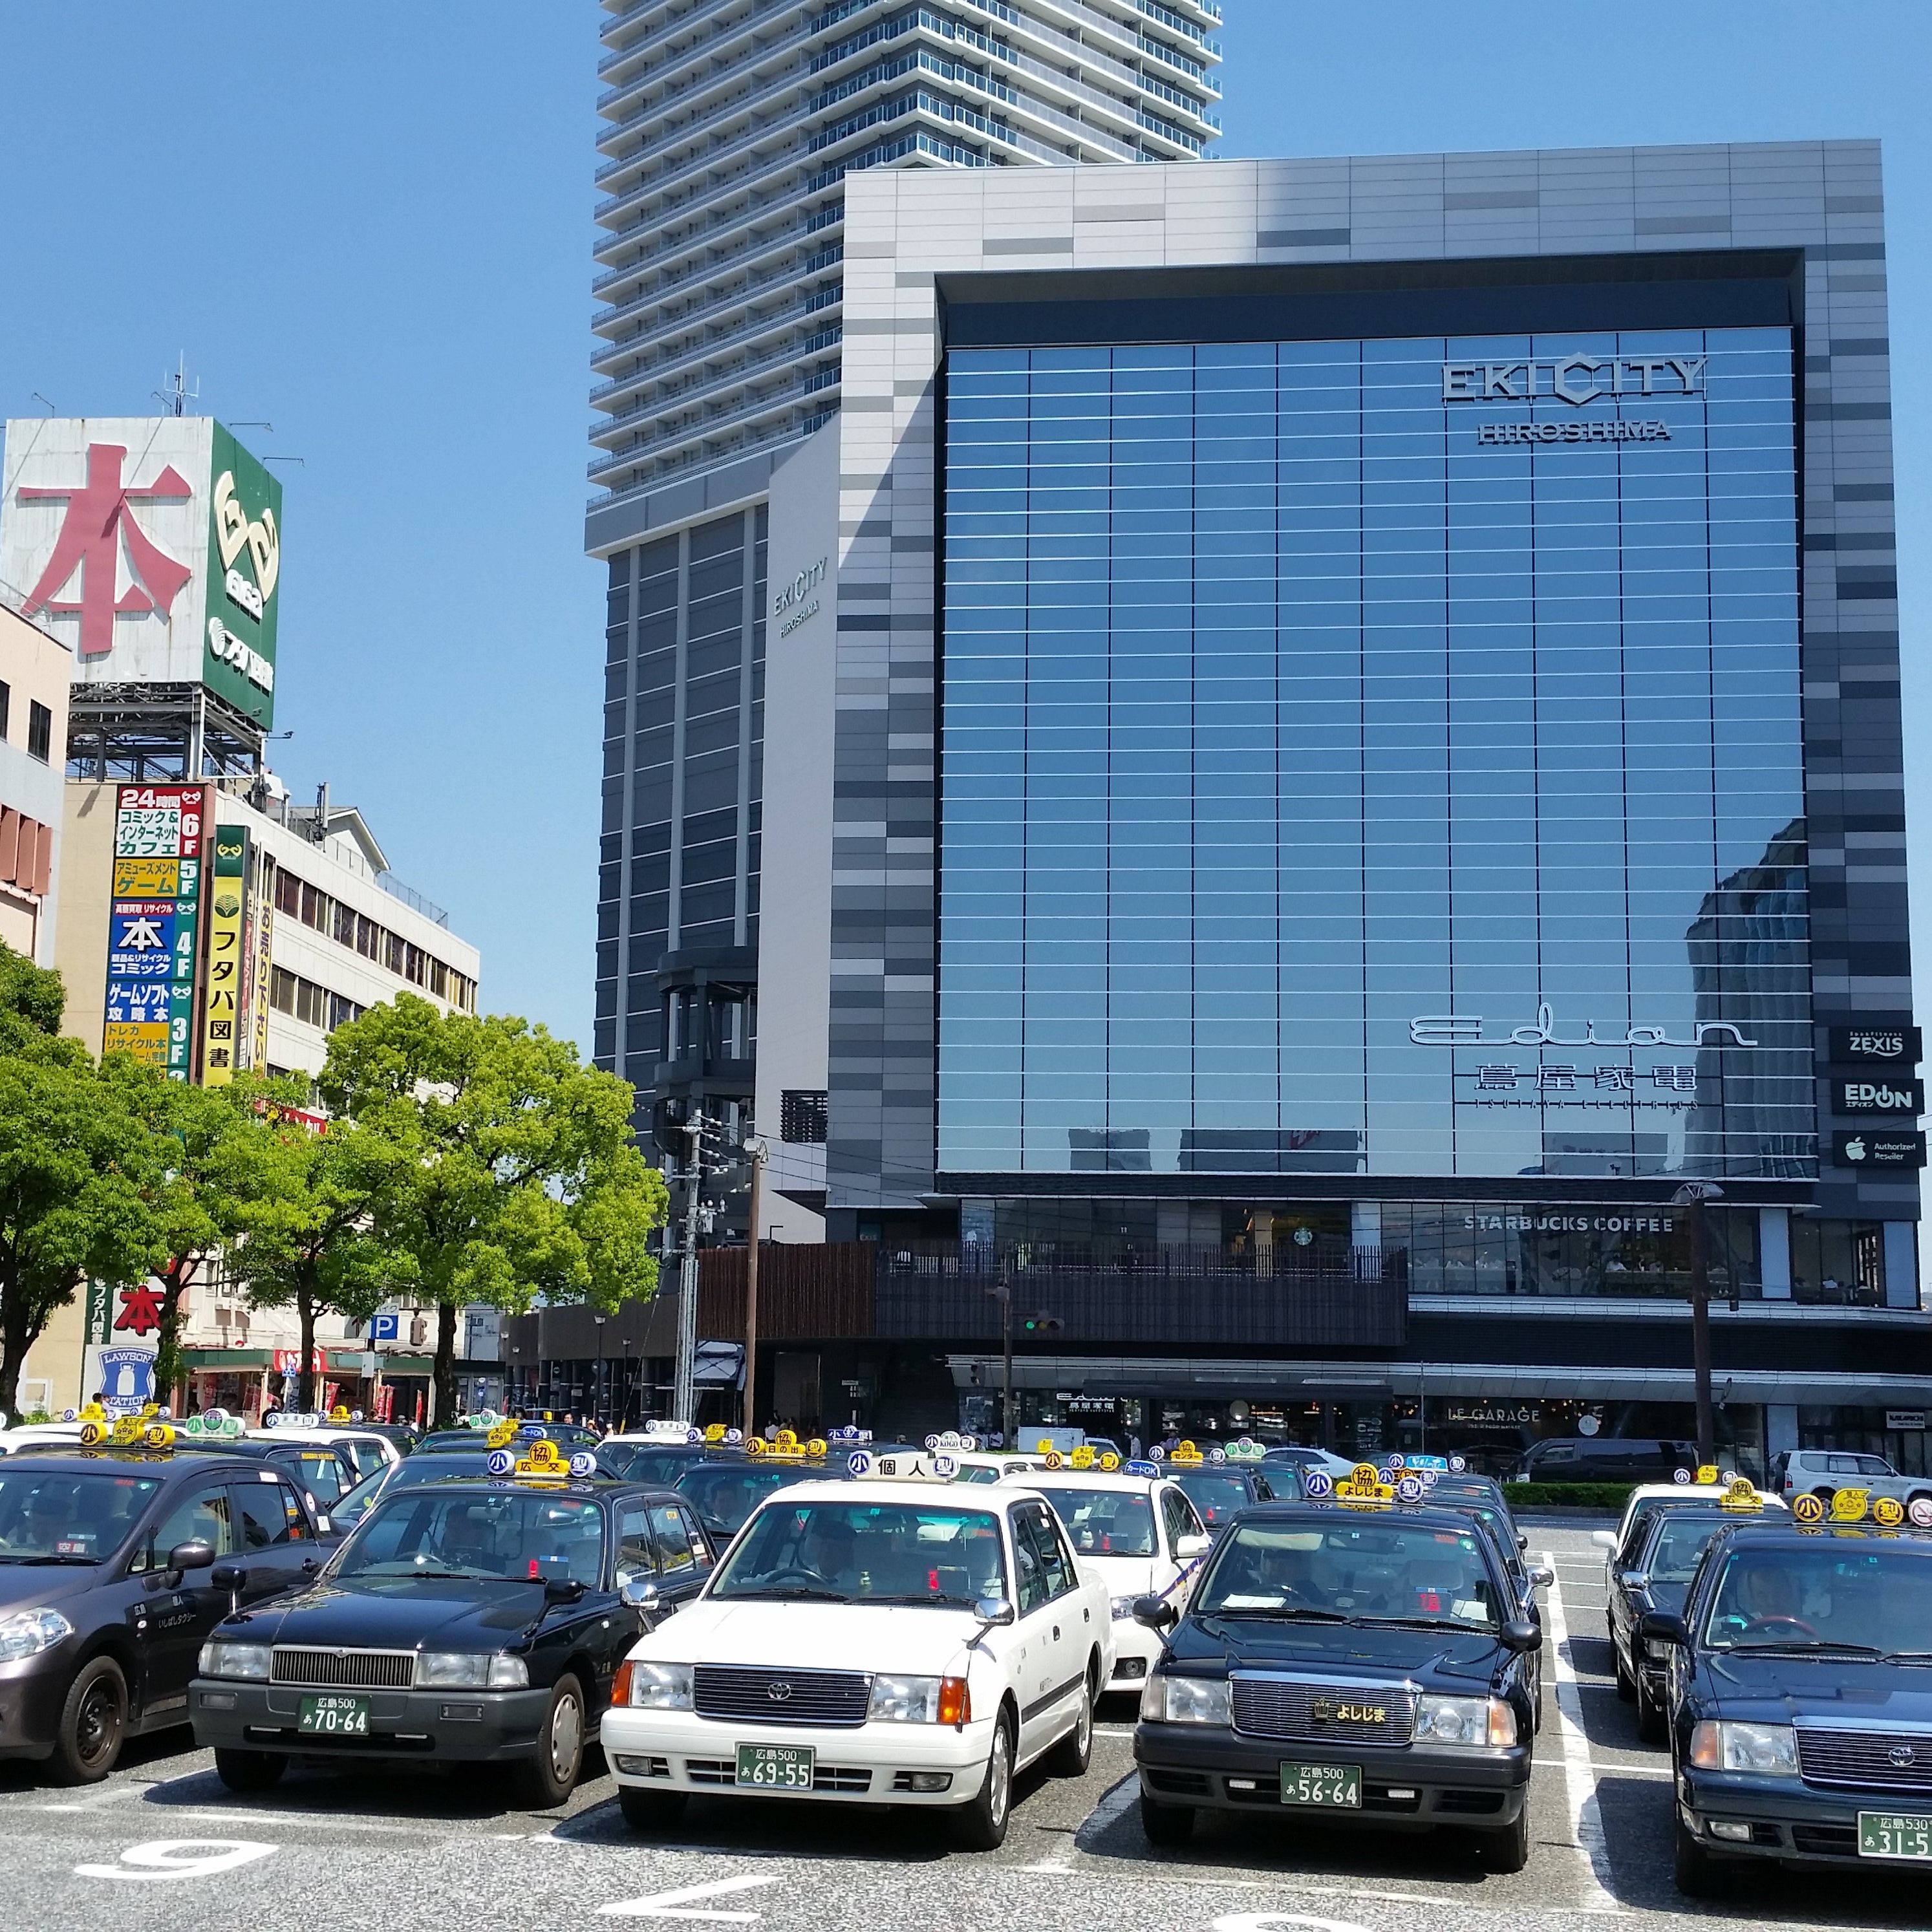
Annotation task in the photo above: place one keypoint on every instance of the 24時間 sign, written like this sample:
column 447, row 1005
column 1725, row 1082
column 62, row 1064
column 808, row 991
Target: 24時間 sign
column 153, row 918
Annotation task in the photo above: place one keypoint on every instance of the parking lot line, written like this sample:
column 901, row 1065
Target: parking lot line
column 1586, row 1822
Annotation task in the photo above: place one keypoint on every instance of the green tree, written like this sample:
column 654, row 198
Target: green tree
column 498, row 1163
column 78, row 1170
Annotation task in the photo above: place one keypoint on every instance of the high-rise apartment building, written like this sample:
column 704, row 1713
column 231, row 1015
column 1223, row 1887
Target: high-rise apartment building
column 731, row 128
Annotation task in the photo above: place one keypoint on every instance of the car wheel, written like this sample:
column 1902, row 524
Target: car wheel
column 1166, row 1824
column 650, row 1811
column 1626, row 1685
column 980, row 1826
column 1693, row 1869
column 1649, row 1714
column 93, row 1724
column 549, row 1775
column 1824, row 1496
column 250, row 1770
column 1506, row 1848
column 1070, row 1757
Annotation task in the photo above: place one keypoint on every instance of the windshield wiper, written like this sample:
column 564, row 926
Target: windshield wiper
column 1907, row 1656
column 1433, row 1623
column 33, row 1562
column 1287, row 1612
column 1792, row 1648
column 792, row 1595
column 912, row 1597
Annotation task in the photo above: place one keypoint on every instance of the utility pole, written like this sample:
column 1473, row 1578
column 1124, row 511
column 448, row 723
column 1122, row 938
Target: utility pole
column 759, row 1151
column 1693, row 1194
column 683, row 1397
column 1008, row 1427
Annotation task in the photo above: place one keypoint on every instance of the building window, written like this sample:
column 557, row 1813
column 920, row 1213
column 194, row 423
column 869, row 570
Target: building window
column 802, row 1116
column 6, row 705
column 288, row 894
column 281, row 990
column 40, row 731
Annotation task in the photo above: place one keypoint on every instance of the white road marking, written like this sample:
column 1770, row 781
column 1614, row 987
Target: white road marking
column 1586, row 1821
column 1050, row 1868
column 1113, row 1730
column 1260, row 1921
column 673, row 1904
column 164, row 1858
column 112, row 1795
column 1117, row 1802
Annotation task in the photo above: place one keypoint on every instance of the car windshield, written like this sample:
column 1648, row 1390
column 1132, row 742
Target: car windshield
column 1216, row 1499
column 49, row 1516
column 726, row 1493
column 410, row 1475
column 1832, row 1593
column 507, row 1535
column 322, row 1474
column 1103, row 1523
column 1371, row 1571
column 649, row 1462
column 860, row 1552
column 1680, row 1544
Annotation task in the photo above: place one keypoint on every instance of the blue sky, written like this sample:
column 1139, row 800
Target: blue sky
column 369, row 223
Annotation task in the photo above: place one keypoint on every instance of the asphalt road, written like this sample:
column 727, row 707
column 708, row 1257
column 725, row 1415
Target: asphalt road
column 163, row 1844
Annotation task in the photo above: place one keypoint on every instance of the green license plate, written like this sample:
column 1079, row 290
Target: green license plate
column 775, row 1767
column 1322, row 1784
column 334, row 1716
column 1895, row 1834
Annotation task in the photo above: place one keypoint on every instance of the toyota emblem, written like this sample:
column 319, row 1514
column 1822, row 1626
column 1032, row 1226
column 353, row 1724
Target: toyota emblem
column 777, row 1693
column 1901, row 1755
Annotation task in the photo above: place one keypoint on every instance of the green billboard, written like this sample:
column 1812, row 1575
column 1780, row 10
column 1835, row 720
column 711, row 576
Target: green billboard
column 243, row 567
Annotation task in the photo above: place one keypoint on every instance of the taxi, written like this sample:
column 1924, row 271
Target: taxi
column 367, row 1451
column 1662, row 1566
column 1229, row 1479
column 1135, row 1529
column 466, row 1621
column 953, row 1639
column 1358, row 1661
column 117, row 1557
column 1800, row 1694
column 1704, row 1489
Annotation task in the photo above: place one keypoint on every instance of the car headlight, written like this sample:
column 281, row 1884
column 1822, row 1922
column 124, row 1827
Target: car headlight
column 1721, row 1743
column 905, row 1700
column 1187, row 1700
column 652, row 1687
column 462, row 1670
column 1464, row 1724
column 1123, row 1607
column 234, row 1659
column 509, row 1673
column 28, row 1633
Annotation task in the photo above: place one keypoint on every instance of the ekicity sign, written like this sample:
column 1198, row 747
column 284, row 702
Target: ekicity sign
column 1573, row 379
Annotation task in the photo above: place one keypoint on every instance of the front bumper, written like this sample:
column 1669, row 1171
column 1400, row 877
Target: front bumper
column 871, row 1763
column 1787, row 1819
column 1407, row 1788
column 31, row 1694
column 1136, row 1651
column 458, row 1727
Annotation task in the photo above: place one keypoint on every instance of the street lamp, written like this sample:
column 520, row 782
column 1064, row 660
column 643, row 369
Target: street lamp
column 1693, row 1194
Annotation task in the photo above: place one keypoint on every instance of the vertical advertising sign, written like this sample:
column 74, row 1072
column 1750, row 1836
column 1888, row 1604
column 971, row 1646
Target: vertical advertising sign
column 244, row 564
column 257, row 942
column 153, row 918
column 221, row 1015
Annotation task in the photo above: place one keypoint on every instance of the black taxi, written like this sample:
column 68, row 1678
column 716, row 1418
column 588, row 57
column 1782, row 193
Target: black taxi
column 1663, row 1561
column 115, row 1564
column 1801, row 1698
column 1358, row 1660
column 473, row 1620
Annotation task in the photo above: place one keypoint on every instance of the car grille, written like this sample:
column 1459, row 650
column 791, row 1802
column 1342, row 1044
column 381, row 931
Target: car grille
column 1274, row 1707
column 355, row 1670
column 776, row 1695
column 1865, row 1758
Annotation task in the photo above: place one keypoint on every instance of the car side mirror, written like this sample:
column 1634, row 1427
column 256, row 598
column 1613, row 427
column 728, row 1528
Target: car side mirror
column 993, row 1610
column 1662, row 1627
column 638, row 1593
column 1520, row 1634
column 197, row 1554
column 1604, row 1539
column 562, row 1589
column 1521, row 1541
column 1155, row 1612
column 1186, row 1549
column 1541, row 1576
column 1636, row 1579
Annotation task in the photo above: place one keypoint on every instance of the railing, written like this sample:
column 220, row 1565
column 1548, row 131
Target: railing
column 410, row 897
column 784, row 392
column 725, row 379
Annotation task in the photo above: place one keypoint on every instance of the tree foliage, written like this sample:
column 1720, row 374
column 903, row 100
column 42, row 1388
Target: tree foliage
column 502, row 1168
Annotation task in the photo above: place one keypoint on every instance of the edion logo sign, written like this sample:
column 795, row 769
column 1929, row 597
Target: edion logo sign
column 1879, row 1095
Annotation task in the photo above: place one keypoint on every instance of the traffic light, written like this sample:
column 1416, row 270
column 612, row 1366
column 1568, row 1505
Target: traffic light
column 1042, row 1325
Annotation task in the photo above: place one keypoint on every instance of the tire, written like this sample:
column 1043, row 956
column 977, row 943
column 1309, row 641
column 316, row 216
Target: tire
column 1696, row 1874
column 548, row 1776
column 1166, row 1824
column 1650, row 1724
column 1070, row 1757
column 250, row 1770
column 93, row 1724
column 1626, row 1684
column 650, row 1811
column 980, row 1824
column 1507, row 1848
column 1824, row 1496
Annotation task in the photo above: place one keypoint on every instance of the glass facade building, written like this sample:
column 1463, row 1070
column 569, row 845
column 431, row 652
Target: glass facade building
column 1374, row 756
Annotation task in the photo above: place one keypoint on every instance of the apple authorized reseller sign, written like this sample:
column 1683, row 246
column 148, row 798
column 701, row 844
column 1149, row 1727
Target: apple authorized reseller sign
column 1879, row 1147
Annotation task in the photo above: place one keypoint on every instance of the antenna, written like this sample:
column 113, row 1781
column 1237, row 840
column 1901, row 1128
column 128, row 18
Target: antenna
column 175, row 395
column 39, row 398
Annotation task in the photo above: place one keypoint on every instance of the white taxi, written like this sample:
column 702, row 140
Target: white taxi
column 907, row 1642
column 1140, row 1535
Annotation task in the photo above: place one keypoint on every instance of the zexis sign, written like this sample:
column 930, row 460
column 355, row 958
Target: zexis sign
column 150, row 544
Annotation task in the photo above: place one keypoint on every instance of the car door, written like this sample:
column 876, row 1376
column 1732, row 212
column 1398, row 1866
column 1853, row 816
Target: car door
column 1174, row 1572
column 277, row 1550
column 683, row 1556
column 170, row 1623
column 1048, row 1610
